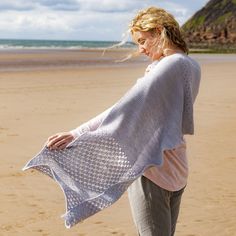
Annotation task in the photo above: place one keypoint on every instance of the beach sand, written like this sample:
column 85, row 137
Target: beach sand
column 43, row 99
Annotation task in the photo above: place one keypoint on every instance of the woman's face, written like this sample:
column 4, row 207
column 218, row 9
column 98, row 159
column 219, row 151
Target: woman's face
column 148, row 44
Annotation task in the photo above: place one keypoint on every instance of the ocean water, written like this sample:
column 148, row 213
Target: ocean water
column 57, row 44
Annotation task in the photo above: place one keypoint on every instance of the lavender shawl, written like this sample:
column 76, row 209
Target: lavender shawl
column 97, row 168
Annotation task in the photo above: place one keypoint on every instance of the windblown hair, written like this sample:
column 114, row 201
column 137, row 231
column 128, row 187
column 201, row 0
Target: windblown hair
column 151, row 19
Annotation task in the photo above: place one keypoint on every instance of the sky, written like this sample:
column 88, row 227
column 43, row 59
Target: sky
column 104, row 20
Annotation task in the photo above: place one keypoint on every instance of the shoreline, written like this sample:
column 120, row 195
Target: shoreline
column 37, row 60
column 27, row 60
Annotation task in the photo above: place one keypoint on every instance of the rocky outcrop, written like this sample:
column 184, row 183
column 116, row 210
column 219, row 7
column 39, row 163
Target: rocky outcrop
column 214, row 24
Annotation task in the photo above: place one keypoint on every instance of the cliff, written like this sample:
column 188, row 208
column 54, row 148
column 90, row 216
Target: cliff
column 214, row 25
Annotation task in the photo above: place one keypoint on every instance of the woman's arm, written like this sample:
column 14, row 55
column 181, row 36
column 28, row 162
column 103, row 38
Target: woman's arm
column 61, row 140
column 91, row 125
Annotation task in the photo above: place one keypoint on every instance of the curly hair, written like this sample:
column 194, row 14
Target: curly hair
column 154, row 18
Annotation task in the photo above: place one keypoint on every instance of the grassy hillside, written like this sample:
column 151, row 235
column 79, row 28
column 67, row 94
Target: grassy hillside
column 213, row 27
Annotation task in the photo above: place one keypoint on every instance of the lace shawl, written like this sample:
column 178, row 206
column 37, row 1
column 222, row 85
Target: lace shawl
column 97, row 168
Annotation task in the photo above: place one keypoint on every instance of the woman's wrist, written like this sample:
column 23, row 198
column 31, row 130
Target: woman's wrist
column 79, row 131
column 74, row 133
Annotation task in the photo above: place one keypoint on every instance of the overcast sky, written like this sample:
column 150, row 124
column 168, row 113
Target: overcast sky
column 80, row 19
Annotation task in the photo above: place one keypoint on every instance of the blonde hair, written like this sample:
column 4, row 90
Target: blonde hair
column 153, row 19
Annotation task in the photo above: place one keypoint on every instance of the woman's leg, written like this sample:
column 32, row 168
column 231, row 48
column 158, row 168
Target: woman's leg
column 155, row 210
column 150, row 206
column 175, row 201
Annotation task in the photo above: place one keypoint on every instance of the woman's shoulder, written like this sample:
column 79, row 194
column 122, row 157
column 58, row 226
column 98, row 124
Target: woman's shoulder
column 178, row 61
column 151, row 66
column 175, row 58
column 172, row 59
column 172, row 63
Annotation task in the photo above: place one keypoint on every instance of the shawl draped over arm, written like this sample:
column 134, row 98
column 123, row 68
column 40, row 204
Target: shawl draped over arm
column 97, row 167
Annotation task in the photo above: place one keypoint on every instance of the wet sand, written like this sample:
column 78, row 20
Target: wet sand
column 47, row 97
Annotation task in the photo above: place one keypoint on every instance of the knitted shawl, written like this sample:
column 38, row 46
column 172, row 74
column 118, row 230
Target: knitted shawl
column 97, row 168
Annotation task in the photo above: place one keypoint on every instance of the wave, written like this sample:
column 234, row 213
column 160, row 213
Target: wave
column 57, row 44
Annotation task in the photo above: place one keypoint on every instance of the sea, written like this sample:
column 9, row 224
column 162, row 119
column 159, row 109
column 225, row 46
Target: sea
column 58, row 44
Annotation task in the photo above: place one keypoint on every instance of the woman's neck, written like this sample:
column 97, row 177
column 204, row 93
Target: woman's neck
column 167, row 52
column 171, row 51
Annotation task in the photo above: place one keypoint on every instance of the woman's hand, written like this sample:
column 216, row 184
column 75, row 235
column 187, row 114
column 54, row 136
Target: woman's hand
column 59, row 141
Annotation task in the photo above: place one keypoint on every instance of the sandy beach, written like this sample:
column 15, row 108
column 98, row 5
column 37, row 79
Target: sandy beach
column 42, row 93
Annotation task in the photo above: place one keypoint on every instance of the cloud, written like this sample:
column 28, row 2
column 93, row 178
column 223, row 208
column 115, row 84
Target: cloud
column 34, row 25
column 19, row 5
column 64, row 5
column 72, row 5
column 78, row 19
column 110, row 5
column 58, row 25
column 28, row 5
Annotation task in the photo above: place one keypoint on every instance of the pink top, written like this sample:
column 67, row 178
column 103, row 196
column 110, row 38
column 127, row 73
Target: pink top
column 172, row 175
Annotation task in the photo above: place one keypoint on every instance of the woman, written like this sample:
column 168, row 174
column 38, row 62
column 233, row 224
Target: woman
column 155, row 196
